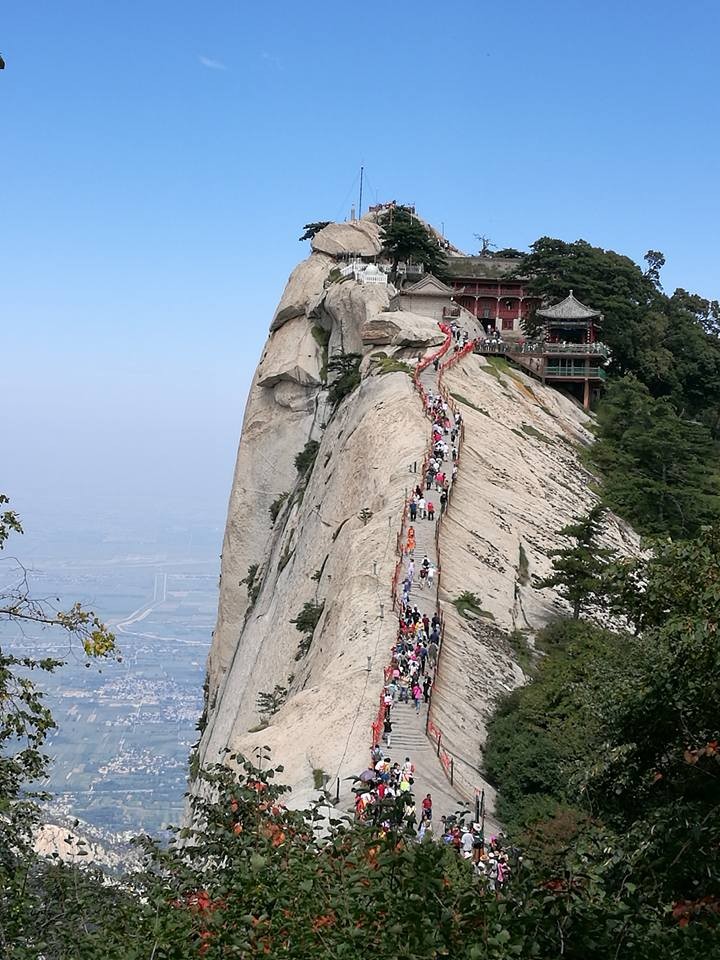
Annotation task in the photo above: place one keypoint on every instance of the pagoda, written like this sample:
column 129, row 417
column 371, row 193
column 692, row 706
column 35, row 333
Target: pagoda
column 568, row 351
column 571, row 349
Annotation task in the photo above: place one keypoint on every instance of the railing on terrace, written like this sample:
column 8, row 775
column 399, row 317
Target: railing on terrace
column 491, row 346
column 405, row 269
column 354, row 266
column 600, row 349
column 574, row 370
column 540, row 349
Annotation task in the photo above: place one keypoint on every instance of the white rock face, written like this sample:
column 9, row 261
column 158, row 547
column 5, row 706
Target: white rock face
column 400, row 328
column 519, row 481
column 363, row 462
column 358, row 237
column 54, row 841
column 347, row 307
column 304, row 286
column 274, row 431
column 293, row 355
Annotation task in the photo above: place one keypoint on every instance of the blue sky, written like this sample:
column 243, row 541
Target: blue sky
column 159, row 160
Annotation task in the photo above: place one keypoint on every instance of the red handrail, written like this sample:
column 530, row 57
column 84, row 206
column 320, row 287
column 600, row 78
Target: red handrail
column 377, row 726
column 432, row 729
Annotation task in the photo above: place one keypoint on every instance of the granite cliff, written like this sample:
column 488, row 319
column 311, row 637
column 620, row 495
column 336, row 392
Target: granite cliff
column 333, row 543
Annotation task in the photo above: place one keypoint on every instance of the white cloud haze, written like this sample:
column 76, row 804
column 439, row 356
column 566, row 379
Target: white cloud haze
column 212, row 64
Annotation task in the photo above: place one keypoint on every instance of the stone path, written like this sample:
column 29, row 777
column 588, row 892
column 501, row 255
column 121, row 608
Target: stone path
column 408, row 736
column 409, row 740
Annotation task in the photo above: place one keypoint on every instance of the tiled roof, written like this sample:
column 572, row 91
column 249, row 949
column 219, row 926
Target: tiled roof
column 480, row 267
column 568, row 309
column 429, row 284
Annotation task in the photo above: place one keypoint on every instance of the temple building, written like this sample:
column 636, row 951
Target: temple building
column 429, row 297
column 568, row 353
column 490, row 289
column 571, row 348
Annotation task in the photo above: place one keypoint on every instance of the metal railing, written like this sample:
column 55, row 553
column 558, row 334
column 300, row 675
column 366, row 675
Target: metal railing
column 491, row 346
column 569, row 369
column 540, row 349
column 594, row 349
column 405, row 269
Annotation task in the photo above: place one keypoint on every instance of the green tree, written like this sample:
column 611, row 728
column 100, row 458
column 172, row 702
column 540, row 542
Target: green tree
column 406, row 238
column 345, row 370
column 627, row 733
column 310, row 229
column 667, row 342
column 24, row 720
column 655, row 262
column 253, row 582
column 305, row 460
column 268, row 704
column 306, row 622
column 26, row 882
column 543, row 732
column 660, row 471
column 659, row 772
column 578, row 569
column 276, row 506
column 706, row 312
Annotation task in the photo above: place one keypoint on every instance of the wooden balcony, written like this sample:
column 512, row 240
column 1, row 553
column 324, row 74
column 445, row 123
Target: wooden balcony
column 575, row 349
column 569, row 370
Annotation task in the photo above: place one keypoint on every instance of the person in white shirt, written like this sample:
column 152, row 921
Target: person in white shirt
column 467, row 840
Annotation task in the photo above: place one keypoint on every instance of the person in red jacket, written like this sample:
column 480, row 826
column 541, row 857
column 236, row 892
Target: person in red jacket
column 427, row 808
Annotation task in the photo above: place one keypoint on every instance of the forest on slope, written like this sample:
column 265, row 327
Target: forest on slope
column 658, row 423
column 614, row 743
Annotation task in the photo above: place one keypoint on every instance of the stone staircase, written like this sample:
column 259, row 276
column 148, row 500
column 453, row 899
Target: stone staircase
column 409, row 740
column 408, row 736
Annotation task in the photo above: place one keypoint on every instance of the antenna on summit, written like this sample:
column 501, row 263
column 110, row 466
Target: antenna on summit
column 362, row 171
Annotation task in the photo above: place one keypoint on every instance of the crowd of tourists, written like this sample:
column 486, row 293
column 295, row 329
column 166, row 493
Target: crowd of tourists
column 493, row 341
column 460, row 339
column 385, row 791
column 385, row 798
column 493, row 862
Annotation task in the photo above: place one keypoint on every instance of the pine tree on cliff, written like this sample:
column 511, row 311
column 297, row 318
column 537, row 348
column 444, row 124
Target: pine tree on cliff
column 310, row 229
column 578, row 569
column 406, row 238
